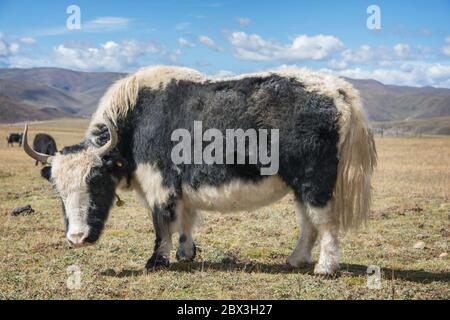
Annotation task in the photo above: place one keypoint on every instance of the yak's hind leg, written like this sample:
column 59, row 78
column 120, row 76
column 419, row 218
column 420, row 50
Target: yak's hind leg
column 186, row 218
column 314, row 188
column 302, row 253
column 317, row 222
column 327, row 224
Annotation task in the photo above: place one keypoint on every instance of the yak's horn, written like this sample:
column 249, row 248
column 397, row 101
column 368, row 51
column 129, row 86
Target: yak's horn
column 41, row 157
column 104, row 150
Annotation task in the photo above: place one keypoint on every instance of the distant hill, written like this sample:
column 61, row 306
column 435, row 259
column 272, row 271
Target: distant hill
column 388, row 102
column 13, row 111
column 73, row 93
column 48, row 93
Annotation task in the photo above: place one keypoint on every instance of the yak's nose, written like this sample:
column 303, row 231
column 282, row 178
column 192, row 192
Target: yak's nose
column 77, row 239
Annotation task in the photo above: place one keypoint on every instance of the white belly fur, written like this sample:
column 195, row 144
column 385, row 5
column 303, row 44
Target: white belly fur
column 237, row 195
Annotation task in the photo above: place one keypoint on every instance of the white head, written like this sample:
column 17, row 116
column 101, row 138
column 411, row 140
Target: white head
column 85, row 176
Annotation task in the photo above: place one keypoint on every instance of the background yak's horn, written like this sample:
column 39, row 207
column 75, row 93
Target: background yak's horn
column 104, row 150
column 41, row 157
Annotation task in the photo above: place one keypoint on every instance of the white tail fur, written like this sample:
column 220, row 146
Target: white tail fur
column 357, row 160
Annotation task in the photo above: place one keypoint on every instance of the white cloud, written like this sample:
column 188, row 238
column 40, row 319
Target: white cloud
column 446, row 48
column 105, row 24
column 13, row 50
column 379, row 56
column 14, row 47
column 337, row 64
column 8, row 48
column 182, row 26
column 185, row 43
column 97, row 25
column 402, row 50
column 109, row 56
column 303, row 47
column 408, row 74
column 209, row 43
column 110, row 21
column 28, row 40
column 363, row 54
column 243, row 21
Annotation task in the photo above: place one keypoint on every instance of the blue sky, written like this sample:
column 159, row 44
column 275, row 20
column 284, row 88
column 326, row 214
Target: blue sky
column 227, row 37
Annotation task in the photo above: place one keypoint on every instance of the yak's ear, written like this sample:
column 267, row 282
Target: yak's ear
column 46, row 172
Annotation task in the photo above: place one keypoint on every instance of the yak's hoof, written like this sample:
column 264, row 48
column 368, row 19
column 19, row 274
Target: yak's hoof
column 326, row 269
column 299, row 262
column 183, row 256
column 157, row 261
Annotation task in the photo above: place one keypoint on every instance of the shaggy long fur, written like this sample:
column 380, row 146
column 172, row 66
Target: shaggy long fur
column 358, row 158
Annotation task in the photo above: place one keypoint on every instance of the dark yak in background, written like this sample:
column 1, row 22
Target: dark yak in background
column 14, row 137
column 44, row 143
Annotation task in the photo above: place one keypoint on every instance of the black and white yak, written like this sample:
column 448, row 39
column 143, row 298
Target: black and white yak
column 326, row 156
column 44, row 143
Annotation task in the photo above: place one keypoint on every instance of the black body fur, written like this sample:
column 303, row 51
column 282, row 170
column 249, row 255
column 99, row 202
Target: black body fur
column 14, row 138
column 307, row 122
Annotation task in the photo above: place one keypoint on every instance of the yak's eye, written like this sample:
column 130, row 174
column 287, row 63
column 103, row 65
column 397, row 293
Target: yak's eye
column 46, row 172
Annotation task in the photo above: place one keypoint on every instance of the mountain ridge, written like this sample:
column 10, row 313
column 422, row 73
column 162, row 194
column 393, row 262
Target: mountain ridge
column 40, row 93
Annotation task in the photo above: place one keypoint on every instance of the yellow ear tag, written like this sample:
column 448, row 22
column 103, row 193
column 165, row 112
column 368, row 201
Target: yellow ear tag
column 119, row 164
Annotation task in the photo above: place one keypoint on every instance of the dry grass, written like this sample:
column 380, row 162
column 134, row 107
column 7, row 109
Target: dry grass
column 242, row 255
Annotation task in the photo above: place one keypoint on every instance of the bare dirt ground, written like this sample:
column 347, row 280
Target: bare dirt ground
column 242, row 255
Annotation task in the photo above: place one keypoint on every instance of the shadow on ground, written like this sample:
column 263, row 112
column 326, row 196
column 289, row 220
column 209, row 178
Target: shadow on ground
column 419, row 276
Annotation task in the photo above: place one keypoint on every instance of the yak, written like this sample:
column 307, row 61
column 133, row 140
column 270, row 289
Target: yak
column 12, row 138
column 325, row 148
column 44, row 143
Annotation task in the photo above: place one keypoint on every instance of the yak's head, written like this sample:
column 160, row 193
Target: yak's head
column 85, row 176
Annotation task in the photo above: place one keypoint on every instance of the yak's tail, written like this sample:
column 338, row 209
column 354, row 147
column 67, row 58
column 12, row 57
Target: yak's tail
column 357, row 160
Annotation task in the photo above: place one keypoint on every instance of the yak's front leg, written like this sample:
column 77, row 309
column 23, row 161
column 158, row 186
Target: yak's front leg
column 164, row 217
column 186, row 218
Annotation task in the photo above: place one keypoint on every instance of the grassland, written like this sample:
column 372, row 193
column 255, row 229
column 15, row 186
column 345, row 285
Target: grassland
column 242, row 255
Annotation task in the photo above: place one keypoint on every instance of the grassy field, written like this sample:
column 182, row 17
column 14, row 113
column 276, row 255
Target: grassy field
column 242, row 255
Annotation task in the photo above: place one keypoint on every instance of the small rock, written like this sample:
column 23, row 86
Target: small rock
column 24, row 211
column 419, row 245
column 443, row 255
column 444, row 232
